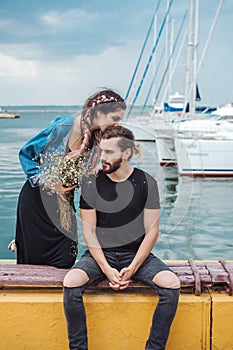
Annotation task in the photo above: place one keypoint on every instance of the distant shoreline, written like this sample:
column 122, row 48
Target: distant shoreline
column 43, row 110
column 48, row 109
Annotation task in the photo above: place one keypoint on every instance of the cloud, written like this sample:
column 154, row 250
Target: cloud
column 10, row 66
column 52, row 34
column 68, row 20
column 61, row 52
column 67, row 82
column 21, row 51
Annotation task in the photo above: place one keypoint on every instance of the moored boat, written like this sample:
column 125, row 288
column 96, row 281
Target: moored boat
column 166, row 150
column 175, row 103
column 8, row 115
column 205, row 148
column 204, row 157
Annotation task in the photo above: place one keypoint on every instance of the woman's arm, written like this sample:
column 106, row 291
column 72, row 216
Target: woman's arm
column 30, row 153
column 29, row 156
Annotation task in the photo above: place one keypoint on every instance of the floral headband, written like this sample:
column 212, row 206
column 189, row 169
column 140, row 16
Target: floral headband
column 103, row 99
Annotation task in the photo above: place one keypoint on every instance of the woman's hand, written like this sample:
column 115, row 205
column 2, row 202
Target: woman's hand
column 61, row 190
column 12, row 246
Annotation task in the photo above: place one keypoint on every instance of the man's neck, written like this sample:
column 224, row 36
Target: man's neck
column 121, row 174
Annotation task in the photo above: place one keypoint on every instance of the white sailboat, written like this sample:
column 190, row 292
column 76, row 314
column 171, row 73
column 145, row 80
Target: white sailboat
column 172, row 117
column 205, row 157
column 175, row 107
column 205, row 148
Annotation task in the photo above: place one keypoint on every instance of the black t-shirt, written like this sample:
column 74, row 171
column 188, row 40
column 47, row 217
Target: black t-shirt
column 120, row 208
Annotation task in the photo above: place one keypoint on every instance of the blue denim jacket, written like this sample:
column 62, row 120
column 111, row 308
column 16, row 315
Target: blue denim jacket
column 53, row 138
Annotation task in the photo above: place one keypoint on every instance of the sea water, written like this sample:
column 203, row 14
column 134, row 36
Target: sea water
column 196, row 213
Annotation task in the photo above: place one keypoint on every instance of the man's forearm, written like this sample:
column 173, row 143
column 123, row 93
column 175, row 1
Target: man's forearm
column 144, row 250
column 151, row 223
column 98, row 255
column 95, row 248
column 89, row 233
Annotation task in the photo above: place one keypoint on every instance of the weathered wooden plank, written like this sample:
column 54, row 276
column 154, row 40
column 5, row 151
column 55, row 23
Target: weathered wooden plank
column 196, row 277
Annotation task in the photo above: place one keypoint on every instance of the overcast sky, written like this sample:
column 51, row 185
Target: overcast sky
column 60, row 52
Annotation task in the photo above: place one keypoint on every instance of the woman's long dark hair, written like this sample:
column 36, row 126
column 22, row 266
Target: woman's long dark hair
column 105, row 101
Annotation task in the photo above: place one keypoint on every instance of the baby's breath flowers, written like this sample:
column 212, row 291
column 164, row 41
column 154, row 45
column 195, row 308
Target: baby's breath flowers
column 56, row 169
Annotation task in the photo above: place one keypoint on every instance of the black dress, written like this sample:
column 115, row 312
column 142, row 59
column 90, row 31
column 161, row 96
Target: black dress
column 39, row 236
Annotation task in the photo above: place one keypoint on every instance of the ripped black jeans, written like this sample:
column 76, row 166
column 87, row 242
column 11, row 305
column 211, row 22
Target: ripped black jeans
column 164, row 312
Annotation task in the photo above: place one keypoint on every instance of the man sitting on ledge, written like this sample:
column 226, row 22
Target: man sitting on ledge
column 120, row 219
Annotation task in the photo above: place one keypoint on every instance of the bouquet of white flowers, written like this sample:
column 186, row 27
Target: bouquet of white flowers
column 57, row 169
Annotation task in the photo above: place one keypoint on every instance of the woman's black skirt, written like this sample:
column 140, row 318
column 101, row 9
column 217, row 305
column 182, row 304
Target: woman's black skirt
column 40, row 238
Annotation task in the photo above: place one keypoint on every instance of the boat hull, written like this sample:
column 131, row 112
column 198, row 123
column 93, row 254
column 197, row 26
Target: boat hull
column 9, row 116
column 166, row 151
column 200, row 157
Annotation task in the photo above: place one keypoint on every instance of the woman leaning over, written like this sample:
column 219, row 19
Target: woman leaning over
column 46, row 231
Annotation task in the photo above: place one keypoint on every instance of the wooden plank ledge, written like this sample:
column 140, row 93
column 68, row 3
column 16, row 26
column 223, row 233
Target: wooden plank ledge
column 195, row 276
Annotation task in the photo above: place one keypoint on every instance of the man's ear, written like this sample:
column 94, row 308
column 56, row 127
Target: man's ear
column 127, row 154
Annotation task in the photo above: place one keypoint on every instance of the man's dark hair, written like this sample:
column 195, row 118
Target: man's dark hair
column 125, row 136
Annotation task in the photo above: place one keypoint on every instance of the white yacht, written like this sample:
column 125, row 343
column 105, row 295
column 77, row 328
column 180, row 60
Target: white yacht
column 205, row 148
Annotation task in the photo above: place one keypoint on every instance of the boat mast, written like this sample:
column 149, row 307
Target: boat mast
column 174, row 65
column 210, row 35
column 195, row 52
column 166, row 61
column 170, row 58
column 188, row 72
column 155, row 57
column 149, row 60
column 142, row 51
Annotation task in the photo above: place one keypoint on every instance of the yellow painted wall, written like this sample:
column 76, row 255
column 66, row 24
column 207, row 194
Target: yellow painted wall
column 222, row 316
column 33, row 319
column 128, row 317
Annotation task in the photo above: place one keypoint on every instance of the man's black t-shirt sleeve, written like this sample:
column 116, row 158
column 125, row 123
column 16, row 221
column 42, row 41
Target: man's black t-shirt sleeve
column 153, row 201
column 88, row 196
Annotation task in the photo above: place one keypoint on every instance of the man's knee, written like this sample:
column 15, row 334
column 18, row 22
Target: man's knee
column 75, row 278
column 167, row 279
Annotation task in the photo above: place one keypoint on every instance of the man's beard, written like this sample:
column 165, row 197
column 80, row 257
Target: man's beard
column 109, row 168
